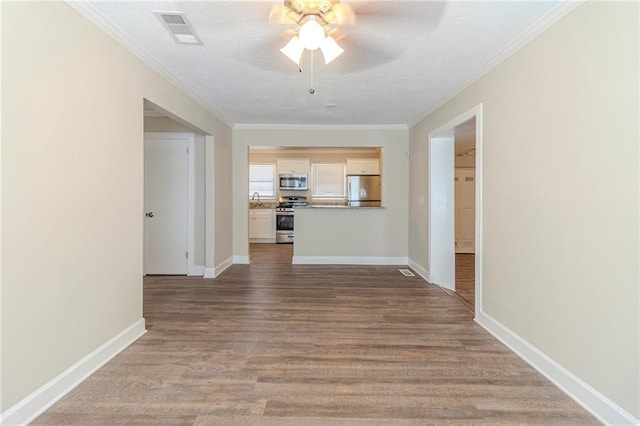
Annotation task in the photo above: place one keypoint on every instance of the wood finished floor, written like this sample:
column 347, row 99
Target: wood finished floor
column 278, row 344
column 465, row 280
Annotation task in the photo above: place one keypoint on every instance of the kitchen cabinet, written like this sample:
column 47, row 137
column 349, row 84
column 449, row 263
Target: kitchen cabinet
column 293, row 165
column 363, row 166
column 262, row 224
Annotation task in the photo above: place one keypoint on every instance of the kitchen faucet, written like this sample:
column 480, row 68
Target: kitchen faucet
column 253, row 197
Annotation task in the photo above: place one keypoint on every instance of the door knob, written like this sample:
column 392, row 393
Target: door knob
column 149, row 214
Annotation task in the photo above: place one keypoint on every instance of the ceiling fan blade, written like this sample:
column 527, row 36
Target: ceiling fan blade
column 340, row 14
column 280, row 14
column 363, row 53
column 383, row 16
column 265, row 54
column 380, row 9
column 337, row 33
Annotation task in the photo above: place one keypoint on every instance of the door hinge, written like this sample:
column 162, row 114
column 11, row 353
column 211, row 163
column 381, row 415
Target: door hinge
column 187, row 150
column 187, row 255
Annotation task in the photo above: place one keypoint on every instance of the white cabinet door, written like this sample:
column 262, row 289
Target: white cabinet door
column 293, row 165
column 262, row 224
column 363, row 166
column 302, row 166
column 253, row 230
column 465, row 189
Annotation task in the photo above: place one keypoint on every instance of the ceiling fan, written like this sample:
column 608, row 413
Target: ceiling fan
column 316, row 22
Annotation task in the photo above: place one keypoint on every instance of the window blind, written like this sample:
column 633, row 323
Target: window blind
column 327, row 180
column 262, row 179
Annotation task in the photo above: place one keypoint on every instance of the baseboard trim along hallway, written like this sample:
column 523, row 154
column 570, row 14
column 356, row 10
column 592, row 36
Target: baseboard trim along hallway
column 419, row 270
column 593, row 401
column 214, row 272
column 348, row 260
column 48, row 394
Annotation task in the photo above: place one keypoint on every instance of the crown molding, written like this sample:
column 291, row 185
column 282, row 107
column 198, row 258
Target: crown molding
column 562, row 9
column 320, row 127
column 89, row 12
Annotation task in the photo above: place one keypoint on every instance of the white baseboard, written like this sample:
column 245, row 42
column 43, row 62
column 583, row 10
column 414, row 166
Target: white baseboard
column 223, row 266
column 348, row 260
column 420, row 270
column 196, row 271
column 242, row 260
column 48, row 394
column 593, row 401
column 214, row 272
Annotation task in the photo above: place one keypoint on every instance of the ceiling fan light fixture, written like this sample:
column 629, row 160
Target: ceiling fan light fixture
column 316, row 19
column 330, row 49
column 311, row 34
column 293, row 50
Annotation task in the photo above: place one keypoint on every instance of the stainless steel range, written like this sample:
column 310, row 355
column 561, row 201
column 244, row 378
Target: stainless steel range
column 284, row 218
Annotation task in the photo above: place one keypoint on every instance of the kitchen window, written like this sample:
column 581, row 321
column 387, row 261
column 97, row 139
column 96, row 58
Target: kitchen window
column 262, row 179
column 327, row 181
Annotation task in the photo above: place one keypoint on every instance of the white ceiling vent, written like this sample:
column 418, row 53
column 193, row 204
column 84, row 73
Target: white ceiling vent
column 178, row 26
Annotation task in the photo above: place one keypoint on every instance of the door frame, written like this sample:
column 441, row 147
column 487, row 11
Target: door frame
column 192, row 269
column 441, row 256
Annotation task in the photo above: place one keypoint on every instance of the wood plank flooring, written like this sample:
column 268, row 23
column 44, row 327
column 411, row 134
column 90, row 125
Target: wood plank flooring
column 465, row 280
column 278, row 344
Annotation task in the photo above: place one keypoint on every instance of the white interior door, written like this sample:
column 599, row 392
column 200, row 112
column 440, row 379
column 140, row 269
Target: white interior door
column 465, row 210
column 442, row 211
column 166, row 169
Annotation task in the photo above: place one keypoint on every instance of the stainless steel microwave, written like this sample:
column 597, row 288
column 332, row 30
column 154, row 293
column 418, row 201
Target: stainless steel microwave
column 293, row 182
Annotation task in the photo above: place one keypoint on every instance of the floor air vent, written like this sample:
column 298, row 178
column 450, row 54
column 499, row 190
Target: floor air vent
column 406, row 272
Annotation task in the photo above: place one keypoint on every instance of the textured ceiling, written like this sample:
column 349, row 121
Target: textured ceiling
column 400, row 59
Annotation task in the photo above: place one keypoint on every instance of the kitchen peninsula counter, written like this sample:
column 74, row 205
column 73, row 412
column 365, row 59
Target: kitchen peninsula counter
column 342, row 207
column 262, row 205
column 339, row 234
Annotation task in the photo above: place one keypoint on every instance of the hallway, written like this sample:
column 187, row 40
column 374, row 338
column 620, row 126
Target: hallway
column 280, row 344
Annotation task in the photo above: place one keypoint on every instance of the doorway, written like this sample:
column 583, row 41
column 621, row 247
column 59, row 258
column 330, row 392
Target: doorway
column 455, row 237
column 168, row 203
column 465, row 191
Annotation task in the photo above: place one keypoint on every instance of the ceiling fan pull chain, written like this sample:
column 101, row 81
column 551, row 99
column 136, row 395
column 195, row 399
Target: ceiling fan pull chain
column 312, row 90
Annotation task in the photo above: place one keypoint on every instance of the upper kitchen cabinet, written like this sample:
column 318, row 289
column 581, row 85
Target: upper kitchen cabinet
column 363, row 166
column 293, row 165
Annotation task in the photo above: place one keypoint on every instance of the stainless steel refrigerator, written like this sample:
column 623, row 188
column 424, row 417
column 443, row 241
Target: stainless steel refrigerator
column 364, row 190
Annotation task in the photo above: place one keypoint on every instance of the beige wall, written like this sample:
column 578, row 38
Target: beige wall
column 560, row 195
column 72, row 189
column 394, row 144
column 223, row 189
